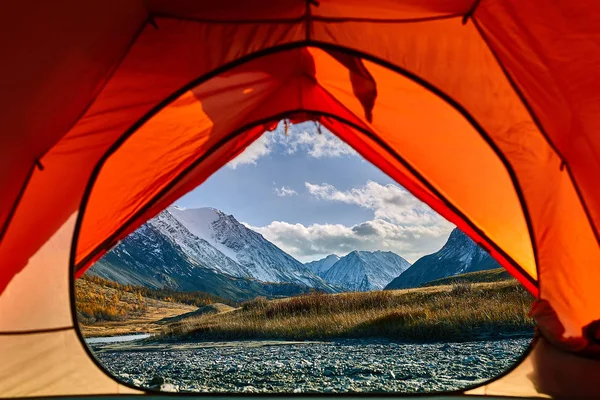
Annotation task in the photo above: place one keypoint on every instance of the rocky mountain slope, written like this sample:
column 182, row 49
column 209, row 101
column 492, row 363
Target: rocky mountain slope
column 204, row 249
column 459, row 255
column 252, row 254
column 365, row 270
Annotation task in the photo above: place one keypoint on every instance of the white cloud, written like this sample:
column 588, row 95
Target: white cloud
column 258, row 149
column 285, row 191
column 317, row 145
column 319, row 240
column 401, row 223
column 301, row 138
column 388, row 202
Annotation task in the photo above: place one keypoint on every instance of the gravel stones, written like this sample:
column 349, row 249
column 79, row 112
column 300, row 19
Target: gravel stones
column 317, row 367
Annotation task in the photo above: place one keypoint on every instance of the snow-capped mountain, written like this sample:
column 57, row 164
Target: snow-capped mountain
column 459, row 255
column 148, row 257
column 179, row 246
column 254, row 255
column 195, row 247
column 365, row 270
column 321, row 266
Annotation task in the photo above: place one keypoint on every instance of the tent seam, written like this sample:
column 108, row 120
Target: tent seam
column 469, row 14
column 36, row 331
column 16, row 203
column 302, row 18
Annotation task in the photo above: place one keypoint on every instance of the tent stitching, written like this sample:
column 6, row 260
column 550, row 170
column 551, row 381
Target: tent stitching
column 469, row 14
column 16, row 203
column 318, row 18
column 36, row 331
column 39, row 165
column 308, row 21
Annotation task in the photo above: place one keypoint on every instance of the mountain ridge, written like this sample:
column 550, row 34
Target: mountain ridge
column 321, row 266
column 365, row 270
column 256, row 256
column 459, row 255
column 164, row 253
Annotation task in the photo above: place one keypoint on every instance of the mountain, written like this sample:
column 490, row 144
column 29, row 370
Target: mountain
column 459, row 255
column 204, row 249
column 321, row 266
column 365, row 270
column 196, row 247
column 254, row 255
column 149, row 258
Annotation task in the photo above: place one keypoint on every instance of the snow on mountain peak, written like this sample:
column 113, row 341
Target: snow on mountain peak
column 321, row 266
column 256, row 255
column 365, row 270
column 459, row 255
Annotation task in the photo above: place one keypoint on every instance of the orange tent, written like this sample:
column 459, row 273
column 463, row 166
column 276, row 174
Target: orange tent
column 111, row 110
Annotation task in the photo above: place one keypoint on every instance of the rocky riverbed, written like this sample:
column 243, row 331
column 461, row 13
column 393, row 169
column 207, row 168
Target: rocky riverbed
column 311, row 367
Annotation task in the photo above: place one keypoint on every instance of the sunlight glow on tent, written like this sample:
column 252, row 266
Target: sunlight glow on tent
column 485, row 110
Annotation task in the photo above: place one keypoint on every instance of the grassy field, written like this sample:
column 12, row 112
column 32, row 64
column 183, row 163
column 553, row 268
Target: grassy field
column 106, row 309
column 490, row 275
column 461, row 311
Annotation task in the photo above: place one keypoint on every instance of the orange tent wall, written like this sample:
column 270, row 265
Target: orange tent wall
column 194, row 138
column 512, row 82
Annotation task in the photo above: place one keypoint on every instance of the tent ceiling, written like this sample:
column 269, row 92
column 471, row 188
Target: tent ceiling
column 510, row 87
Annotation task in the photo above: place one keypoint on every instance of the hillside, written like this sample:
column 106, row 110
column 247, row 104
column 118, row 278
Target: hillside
column 491, row 275
column 459, row 255
column 362, row 271
column 445, row 312
column 230, row 261
column 105, row 308
column 259, row 258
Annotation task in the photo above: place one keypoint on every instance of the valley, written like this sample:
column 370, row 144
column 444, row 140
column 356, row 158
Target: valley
column 213, row 306
column 333, row 366
column 435, row 338
column 462, row 310
column 206, row 250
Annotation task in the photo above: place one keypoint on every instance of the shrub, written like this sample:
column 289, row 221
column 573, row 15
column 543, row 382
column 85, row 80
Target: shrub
column 461, row 288
column 459, row 312
column 258, row 303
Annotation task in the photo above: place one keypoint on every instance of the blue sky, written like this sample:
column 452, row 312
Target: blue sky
column 312, row 195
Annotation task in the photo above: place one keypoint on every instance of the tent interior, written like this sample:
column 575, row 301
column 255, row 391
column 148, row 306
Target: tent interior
column 483, row 109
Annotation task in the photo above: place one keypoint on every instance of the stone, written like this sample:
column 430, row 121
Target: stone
column 168, row 387
column 156, row 382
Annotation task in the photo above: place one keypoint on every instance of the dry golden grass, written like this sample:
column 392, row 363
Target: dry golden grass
column 458, row 312
column 106, row 311
column 99, row 303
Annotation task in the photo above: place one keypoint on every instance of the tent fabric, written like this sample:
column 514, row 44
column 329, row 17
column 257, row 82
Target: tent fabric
column 55, row 362
column 484, row 109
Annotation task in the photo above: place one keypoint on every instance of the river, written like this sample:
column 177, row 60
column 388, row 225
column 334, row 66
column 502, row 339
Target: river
column 117, row 339
column 314, row 367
